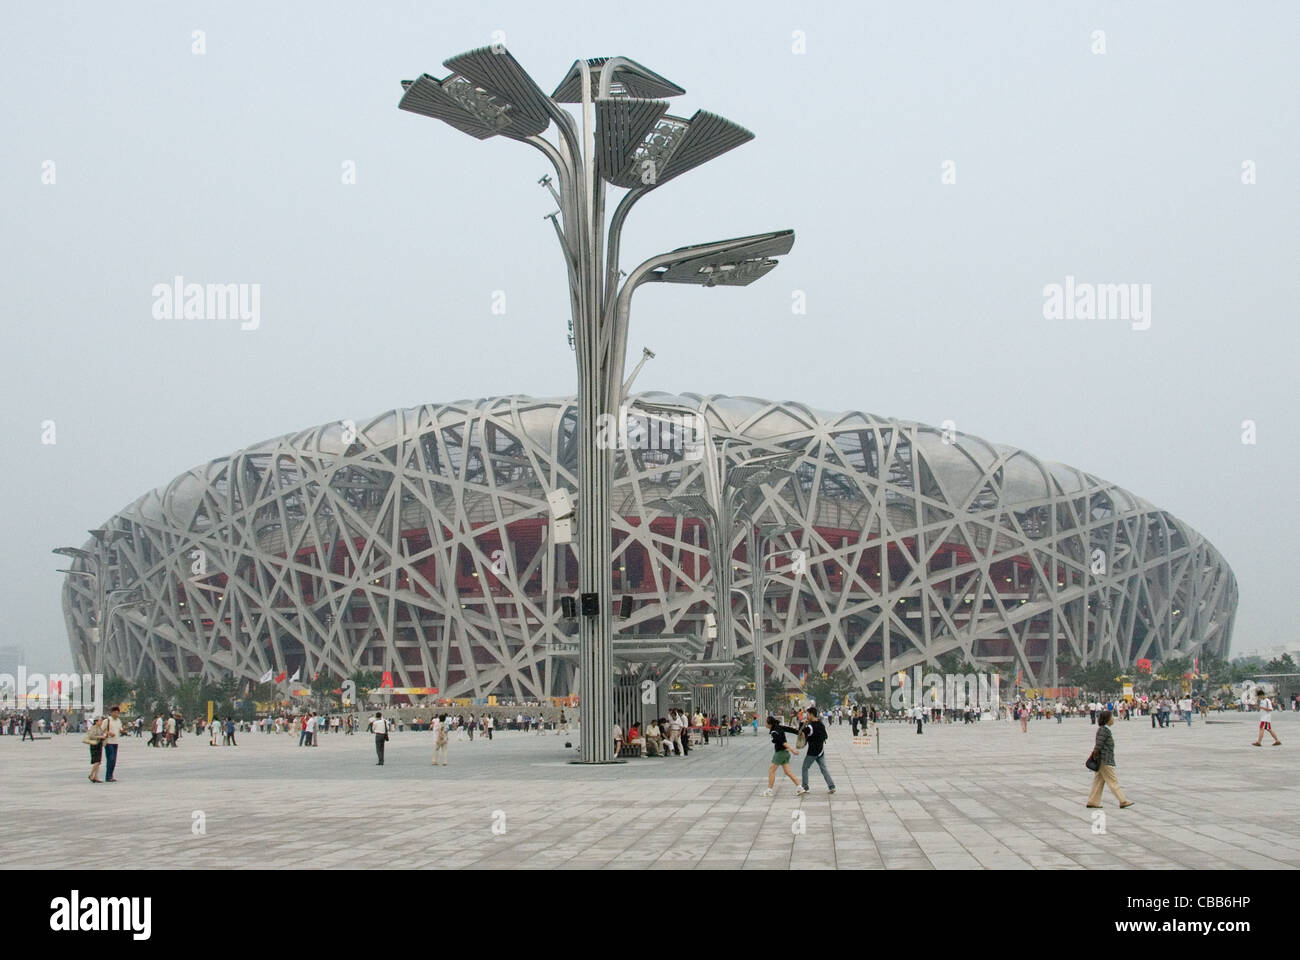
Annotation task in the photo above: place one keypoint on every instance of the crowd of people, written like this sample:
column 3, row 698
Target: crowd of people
column 673, row 735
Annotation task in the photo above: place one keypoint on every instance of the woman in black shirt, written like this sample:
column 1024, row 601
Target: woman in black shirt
column 781, row 754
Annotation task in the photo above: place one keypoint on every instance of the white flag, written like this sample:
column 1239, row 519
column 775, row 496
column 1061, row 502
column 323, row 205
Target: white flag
column 296, row 673
column 266, row 677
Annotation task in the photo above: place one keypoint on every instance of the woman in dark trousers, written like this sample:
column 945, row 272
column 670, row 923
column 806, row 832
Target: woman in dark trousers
column 1105, row 775
column 781, row 754
column 96, row 733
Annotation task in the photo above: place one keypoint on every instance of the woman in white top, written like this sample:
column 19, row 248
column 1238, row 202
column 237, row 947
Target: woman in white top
column 440, row 740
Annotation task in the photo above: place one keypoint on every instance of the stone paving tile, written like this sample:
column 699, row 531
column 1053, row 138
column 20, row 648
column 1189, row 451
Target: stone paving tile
column 957, row 797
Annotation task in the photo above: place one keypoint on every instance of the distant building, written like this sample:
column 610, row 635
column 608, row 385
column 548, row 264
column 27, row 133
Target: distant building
column 10, row 659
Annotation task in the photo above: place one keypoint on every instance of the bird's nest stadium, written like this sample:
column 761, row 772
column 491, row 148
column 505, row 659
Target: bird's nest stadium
column 421, row 542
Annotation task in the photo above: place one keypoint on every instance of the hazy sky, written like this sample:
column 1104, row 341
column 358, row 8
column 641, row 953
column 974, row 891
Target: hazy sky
column 925, row 299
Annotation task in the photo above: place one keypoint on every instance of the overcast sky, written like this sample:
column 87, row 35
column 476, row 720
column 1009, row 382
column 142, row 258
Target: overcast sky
column 925, row 299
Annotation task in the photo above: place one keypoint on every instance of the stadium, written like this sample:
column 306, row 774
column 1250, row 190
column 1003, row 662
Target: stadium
column 421, row 543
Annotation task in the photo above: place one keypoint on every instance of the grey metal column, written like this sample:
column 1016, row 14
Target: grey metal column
column 758, row 567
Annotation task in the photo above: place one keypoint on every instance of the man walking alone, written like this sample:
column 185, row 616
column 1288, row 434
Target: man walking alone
column 1265, row 719
column 379, row 727
column 814, row 734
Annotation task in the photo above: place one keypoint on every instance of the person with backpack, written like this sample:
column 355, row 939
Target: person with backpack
column 813, row 733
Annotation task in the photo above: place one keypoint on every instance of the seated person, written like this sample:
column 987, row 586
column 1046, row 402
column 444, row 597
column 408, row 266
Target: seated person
column 634, row 738
column 618, row 739
column 653, row 740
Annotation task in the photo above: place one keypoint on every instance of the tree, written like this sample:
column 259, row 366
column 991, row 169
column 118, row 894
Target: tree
column 1282, row 664
column 187, row 697
column 1170, row 672
column 1216, row 669
column 843, row 683
column 147, row 699
column 1245, row 668
column 366, row 680
column 1099, row 677
column 817, row 687
column 115, row 690
column 774, row 694
column 323, row 686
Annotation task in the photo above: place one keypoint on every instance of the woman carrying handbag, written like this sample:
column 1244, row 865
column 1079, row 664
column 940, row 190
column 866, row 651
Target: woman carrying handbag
column 95, row 734
column 1102, row 762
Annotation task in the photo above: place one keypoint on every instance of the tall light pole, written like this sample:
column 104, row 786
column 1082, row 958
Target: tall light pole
column 757, row 538
column 626, row 140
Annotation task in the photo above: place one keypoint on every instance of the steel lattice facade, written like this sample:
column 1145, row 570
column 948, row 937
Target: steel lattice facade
column 420, row 543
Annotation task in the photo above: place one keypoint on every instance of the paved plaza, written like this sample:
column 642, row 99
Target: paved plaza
column 958, row 796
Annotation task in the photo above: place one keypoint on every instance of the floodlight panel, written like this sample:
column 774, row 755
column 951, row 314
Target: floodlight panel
column 426, row 97
column 499, row 73
column 622, row 126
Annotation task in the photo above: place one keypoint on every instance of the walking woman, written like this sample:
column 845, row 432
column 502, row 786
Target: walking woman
column 440, row 739
column 781, row 754
column 1105, row 754
column 95, row 735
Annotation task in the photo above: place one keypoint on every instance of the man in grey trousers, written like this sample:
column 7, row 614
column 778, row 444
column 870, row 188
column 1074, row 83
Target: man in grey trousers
column 814, row 734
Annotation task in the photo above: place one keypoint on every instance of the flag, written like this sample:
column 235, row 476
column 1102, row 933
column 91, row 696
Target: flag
column 280, row 677
column 296, row 674
column 266, row 677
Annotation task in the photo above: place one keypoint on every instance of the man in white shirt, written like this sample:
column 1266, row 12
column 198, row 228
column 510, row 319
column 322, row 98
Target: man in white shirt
column 110, row 742
column 1265, row 720
column 1185, row 708
column 379, row 727
column 653, row 739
